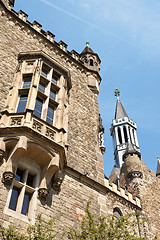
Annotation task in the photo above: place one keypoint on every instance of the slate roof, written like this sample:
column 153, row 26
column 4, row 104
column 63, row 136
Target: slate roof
column 120, row 111
column 87, row 50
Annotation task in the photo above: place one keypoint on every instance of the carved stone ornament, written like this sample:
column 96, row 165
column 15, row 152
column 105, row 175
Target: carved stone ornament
column 135, row 174
column 1, row 156
column 8, row 178
column 19, row 66
column 103, row 149
column 57, row 181
column 37, row 126
column 43, row 193
column 16, row 121
column 50, row 133
column 101, row 128
column 56, row 185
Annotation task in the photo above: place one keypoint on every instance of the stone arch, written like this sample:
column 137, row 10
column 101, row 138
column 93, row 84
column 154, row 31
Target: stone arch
column 117, row 212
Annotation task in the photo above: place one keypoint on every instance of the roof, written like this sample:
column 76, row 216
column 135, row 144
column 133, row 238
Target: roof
column 120, row 111
column 131, row 150
column 87, row 50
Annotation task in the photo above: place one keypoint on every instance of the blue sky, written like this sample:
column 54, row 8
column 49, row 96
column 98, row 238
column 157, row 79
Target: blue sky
column 126, row 36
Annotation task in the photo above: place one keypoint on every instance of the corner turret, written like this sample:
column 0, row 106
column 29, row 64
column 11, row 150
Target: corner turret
column 132, row 160
column 90, row 59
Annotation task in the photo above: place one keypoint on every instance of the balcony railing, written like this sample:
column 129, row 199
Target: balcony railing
column 38, row 125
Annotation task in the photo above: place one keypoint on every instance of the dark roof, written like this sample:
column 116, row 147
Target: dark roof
column 87, row 50
column 120, row 111
column 131, row 150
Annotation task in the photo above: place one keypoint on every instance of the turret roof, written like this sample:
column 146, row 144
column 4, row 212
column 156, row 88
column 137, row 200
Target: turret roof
column 87, row 50
column 120, row 111
column 131, row 150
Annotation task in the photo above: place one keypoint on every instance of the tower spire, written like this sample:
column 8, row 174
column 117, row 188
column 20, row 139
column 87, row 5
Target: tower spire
column 120, row 111
column 123, row 132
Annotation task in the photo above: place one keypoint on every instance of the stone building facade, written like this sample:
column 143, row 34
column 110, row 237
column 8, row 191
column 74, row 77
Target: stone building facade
column 51, row 134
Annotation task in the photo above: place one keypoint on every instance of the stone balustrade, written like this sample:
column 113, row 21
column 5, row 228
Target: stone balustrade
column 36, row 124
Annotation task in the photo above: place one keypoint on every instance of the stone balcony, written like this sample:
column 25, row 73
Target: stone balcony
column 27, row 119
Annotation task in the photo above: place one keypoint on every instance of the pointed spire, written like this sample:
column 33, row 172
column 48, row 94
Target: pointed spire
column 120, row 111
column 87, row 49
column 158, row 167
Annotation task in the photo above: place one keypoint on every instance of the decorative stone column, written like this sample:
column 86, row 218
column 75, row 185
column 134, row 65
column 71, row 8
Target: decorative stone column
column 13, row 160
column 48, row 172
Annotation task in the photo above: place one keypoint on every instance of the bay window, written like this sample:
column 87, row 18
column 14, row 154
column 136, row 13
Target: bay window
column 22, row 103
column 47, row 88
column 38, row 107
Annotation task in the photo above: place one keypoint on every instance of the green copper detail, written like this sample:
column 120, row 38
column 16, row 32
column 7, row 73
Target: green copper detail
column 87, row 43
column 117, row 93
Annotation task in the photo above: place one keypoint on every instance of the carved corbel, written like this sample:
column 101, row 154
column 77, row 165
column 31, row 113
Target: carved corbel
column 8, row 178
column 43, row 193
column 49, row 171
column 14, row 159
column 57, row 180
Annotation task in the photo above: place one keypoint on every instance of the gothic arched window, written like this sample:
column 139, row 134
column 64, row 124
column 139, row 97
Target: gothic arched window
column 125, row 134
column 117, row 213
column 91, row 62
column 134, row 136
column 129, row 130
column 119, row 136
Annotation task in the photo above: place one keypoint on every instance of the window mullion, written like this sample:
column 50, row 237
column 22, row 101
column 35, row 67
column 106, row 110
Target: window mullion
column 46, row 103
column 20, row 199
column 22, row 192
column 60, row 98
column 34, row 87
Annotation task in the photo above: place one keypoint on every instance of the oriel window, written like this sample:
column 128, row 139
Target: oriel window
column 27, row 81
column 22, row 103
column 50, row 114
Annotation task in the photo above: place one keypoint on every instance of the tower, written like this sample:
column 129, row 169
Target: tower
column 123, row 132
column 90, row 59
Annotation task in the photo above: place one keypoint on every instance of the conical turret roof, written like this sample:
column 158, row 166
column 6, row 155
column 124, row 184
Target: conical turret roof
column 87, row 50
column 120, row 111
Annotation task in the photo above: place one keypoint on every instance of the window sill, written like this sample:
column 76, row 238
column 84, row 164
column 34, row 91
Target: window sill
column 21, row 217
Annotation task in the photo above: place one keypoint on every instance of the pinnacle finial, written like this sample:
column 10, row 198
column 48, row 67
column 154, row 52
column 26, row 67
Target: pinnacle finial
column 87, row 43
column 117, row 93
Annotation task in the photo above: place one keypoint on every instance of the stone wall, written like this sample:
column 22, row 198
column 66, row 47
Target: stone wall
column 83, row 112
column 149, row 194
column 67, row 206
column 83, row 154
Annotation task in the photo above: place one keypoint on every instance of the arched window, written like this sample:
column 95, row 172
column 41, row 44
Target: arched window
column 125, row 134
column 117, row 213
column 119, row 136
column 134, row 136
column 129, row 130
column 91, row 62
